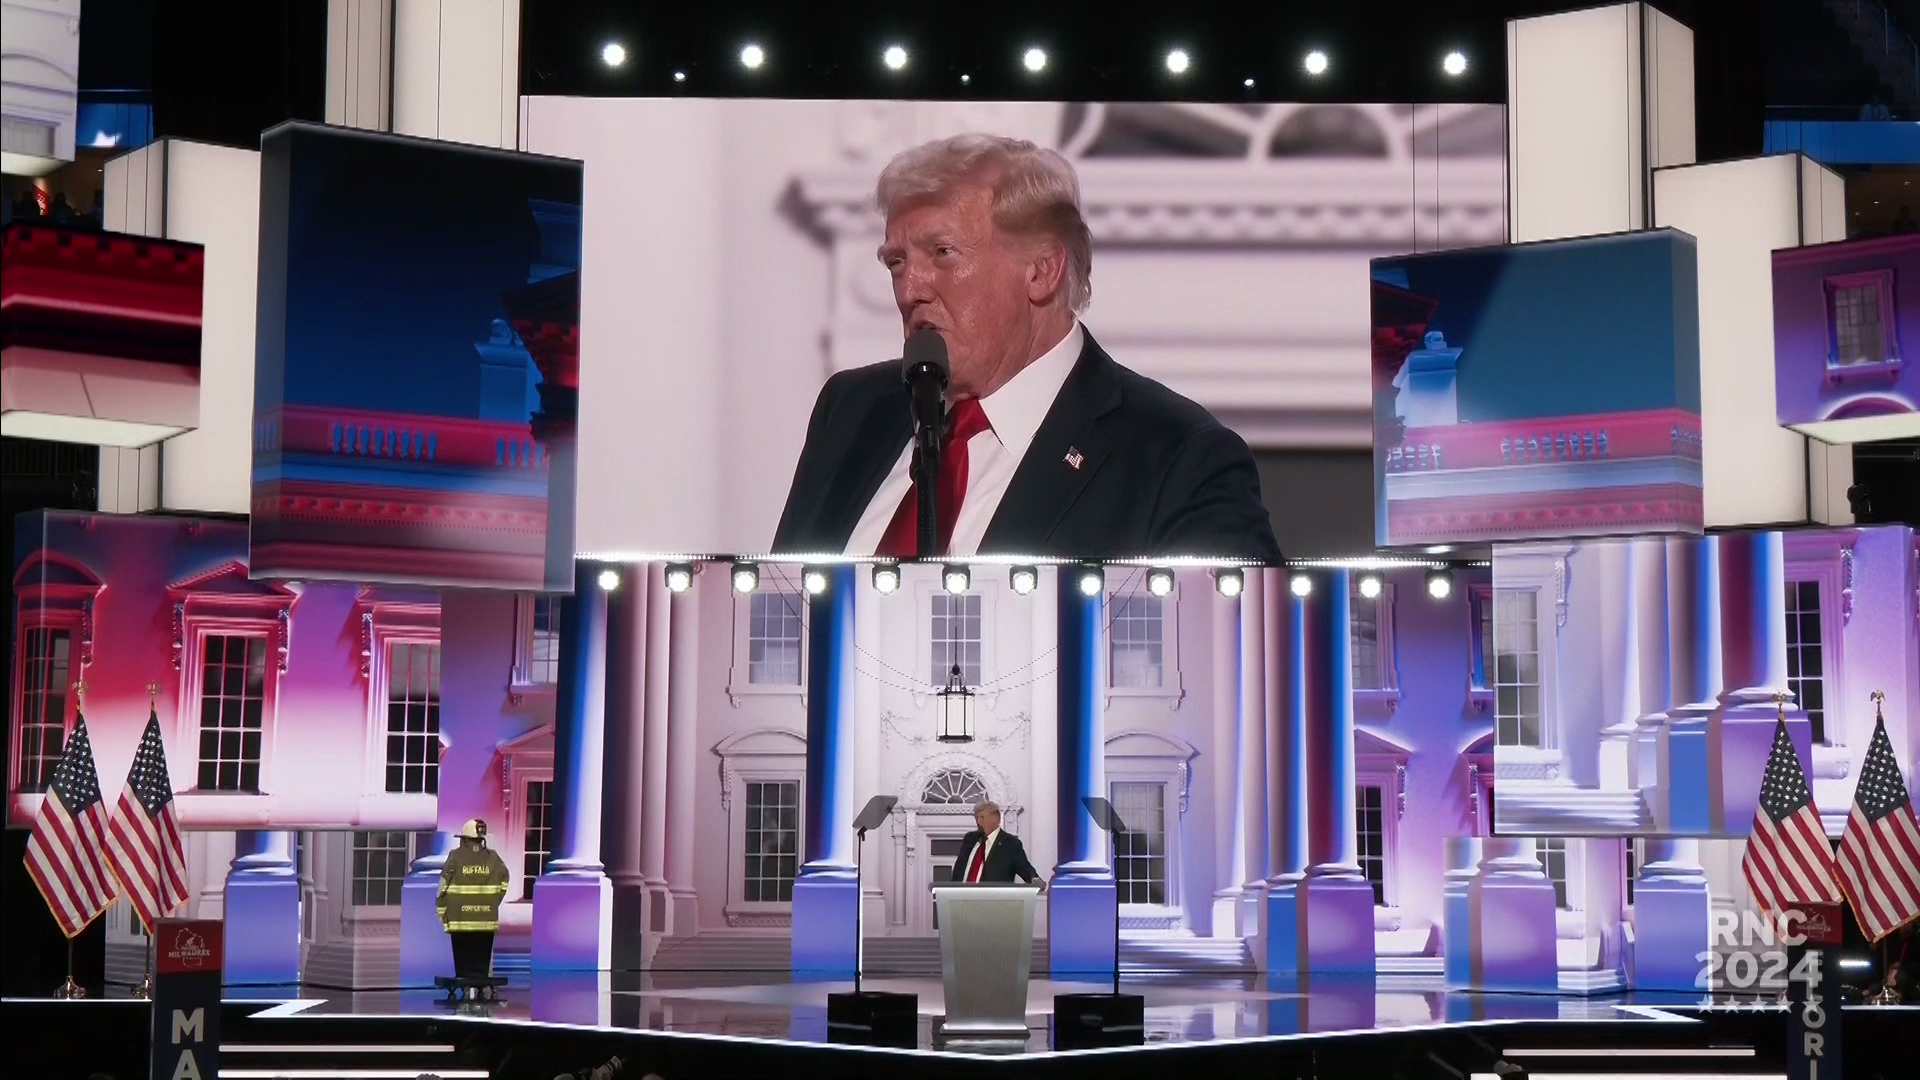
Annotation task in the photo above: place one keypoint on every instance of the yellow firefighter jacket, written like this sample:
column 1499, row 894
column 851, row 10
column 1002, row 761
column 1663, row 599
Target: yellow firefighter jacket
column 472, row 886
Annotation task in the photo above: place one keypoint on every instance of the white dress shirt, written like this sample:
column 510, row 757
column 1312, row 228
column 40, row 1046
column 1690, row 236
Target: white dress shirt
column 1014, row 413
column 986, row 849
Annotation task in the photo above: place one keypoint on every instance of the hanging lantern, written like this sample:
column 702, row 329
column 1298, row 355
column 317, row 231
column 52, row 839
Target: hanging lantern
column 956, row 710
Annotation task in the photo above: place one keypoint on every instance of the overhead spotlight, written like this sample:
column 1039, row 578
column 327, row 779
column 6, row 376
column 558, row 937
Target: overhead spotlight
column 1369, row 586
column 1316, row 63
column 956, row 579
column 609, row 580
column 1248, row 83
column 1439, row 549
column 679, row 577
column 1454, row 64
column 746, row 577
column 814, row 580
column 1035, row 59
column 1091, row 581
column 679, row 76
column 965, row 79
column 1023, row 579
column 1301, row 584
column 886, row 578
column 613, row 54
column 1159, row 581
column 1440, row 583
column 1178, row 62
column 752, row 56
column 1231, row 581
column 895, row 57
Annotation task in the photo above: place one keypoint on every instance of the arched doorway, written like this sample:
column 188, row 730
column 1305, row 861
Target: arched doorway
column 934, row 817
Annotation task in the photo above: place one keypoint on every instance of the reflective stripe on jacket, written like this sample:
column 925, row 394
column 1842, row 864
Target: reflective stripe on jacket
column 472, row 885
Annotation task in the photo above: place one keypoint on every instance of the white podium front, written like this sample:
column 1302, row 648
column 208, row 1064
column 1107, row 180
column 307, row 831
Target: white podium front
column 986, row 952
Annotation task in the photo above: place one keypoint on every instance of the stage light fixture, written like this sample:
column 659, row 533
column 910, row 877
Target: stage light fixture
column 1248, row 83
column 613, row 54
column 752, row 56
column 1035, row 59
column 609, row 580
column 679, row 577
column 1369, row 586
column 895, row 57
column 1178, row 62
column 1454, row 64
column 1091, row 581
column 1230, row 581
column 746, row 577
column 957, row 579
column 1316, row 63
column 1160, row 581
column 1023, row 580
column 1301, row 584
column 965, row 79
column 1439, row 549
column 814, row 580
column 886, row 579
column 679, row 76
column 1440, row 583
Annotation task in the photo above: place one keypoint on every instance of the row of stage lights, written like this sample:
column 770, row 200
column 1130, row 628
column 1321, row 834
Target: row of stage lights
column 1229, row 581
column 895, row 58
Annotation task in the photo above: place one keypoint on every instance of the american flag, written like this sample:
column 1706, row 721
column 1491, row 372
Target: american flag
column 69, row 837
column 144, row 848
column 1788, row 860
column 1880, row 851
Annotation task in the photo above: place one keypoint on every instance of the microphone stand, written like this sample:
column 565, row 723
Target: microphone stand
column 859, row 907
column 926, row 481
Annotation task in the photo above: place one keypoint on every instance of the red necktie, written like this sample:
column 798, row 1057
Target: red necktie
column 979, row 862
column 965, row 419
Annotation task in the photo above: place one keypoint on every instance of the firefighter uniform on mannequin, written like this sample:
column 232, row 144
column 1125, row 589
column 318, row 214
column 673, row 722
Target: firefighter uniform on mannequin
column 472, row 886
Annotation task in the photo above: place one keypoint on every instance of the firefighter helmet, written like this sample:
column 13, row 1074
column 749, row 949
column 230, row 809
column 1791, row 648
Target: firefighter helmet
column 474, row 830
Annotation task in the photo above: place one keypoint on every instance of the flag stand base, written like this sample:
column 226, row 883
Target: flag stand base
column 69, row 990
column 1886, row 995
column 145, row 990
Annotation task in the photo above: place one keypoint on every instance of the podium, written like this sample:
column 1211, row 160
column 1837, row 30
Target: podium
column 986, row 955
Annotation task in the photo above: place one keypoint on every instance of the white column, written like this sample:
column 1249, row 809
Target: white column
column 653, row 783
column 868, row 610
column 129, row 479
column 360, row 64
column 1621, row 656
column 1656, row 686
column 1252, row 782
column 456, row 71
column 1229, row 801
column 1596, row 100
column 1044, row 847
column 683, row 758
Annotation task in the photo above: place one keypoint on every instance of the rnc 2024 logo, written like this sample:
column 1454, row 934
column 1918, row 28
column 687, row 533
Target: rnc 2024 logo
column 1750, row 951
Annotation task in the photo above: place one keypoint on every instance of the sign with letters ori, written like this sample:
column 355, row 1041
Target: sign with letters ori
column 1813, row 1007
column 188, row 957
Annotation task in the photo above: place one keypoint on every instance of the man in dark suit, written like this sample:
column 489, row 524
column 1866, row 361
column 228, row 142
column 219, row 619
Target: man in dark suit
column 987, row 854
column 1051, row 447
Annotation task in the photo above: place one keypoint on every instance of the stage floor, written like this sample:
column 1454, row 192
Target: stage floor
column 720, row 1024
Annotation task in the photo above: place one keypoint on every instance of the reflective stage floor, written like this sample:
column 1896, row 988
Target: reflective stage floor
column 720, row 1024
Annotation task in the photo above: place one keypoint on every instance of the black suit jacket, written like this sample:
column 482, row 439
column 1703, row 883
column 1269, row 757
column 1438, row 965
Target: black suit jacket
column 1156, row 476
column 1006, row 860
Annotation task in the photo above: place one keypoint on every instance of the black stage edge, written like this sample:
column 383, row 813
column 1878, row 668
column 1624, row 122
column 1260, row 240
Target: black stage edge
column 874, row 1018
column 76, row 1039
column 1085, row 1021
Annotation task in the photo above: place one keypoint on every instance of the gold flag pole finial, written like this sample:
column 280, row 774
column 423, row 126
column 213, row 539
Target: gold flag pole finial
column 1879, row 698
column 153, row 692
column 80, row 691
column 1781, row 697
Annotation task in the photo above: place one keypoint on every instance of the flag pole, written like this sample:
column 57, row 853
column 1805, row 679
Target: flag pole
column 144, row 991
column 71, row 990
column 1888, row 994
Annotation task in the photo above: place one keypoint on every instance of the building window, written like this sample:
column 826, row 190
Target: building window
column 1140, row 852
column 536, row 837
column 543, row 648
column 413, row 717
column 380, row 862
column 1138, row 659
column 1552, row 852
column 772, row 841
column 954, row 787
column 956, row 637
column 773, row 639
column 1516, row 667
column 1806, row 674
column 1370, row 836
column 233, row 679
column 1858, row 336
column 46, row 671
column 1634, row 852
column 1480, row 599
column 1364, row 635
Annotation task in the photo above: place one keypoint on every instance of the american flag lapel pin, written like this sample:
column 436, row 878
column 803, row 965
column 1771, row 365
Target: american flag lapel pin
column 1074, row 457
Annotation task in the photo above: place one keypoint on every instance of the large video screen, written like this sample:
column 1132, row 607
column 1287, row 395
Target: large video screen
column 1841, row 314
column 417, row 368
column 745, row 303
column 1637, row 683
